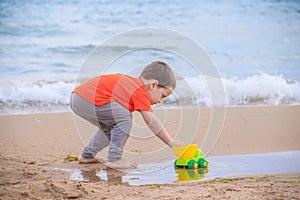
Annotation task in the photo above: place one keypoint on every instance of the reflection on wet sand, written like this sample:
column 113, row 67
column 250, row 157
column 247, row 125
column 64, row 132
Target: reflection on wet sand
column 220, row 167
column 95, row 175
column 117, row 176
column 191, row 174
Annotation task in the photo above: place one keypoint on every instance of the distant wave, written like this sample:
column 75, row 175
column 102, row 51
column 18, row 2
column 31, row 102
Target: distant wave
column 72, row 49
column 261, row 89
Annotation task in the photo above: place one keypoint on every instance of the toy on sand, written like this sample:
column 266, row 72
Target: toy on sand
column 189, row 156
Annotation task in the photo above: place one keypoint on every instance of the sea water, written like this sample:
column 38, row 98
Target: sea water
column 254, row 44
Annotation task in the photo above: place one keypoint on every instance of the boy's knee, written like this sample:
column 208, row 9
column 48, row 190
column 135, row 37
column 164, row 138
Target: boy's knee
column 125, row 125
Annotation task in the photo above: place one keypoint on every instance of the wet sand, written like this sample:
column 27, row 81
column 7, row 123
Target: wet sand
column 33, row 148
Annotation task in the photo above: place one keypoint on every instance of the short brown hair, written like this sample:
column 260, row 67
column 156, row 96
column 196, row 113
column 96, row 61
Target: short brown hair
column 161, row 72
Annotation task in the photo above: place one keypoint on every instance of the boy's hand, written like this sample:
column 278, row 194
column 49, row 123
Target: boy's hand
column 158, row 129
column 175, row 143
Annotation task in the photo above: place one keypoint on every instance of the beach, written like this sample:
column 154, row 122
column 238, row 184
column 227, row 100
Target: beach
column 242, row 54
column 33, row 148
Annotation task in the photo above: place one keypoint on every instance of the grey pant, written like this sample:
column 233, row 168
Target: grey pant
column 114, row 122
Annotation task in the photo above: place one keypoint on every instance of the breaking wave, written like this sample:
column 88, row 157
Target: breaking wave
column 17, row 97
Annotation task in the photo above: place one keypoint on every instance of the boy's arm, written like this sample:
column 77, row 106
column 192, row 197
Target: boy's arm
column 158, row 129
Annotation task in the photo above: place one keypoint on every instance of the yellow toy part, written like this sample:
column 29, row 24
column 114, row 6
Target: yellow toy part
column 187, row 151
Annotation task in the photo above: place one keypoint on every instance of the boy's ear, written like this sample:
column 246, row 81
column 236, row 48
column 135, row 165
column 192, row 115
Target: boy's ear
column 153, row 84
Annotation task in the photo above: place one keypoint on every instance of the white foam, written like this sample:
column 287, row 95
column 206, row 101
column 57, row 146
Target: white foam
column 260, row 89
column 42, row 92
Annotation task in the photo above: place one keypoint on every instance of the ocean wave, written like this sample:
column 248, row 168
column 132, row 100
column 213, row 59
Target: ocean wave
column 29, row 97
column 260, row 89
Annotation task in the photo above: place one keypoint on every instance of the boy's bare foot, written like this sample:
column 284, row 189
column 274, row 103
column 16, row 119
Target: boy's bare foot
column 121, row 164
column 83, row 160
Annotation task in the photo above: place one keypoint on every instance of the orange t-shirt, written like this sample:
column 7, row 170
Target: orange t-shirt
column 128, row 91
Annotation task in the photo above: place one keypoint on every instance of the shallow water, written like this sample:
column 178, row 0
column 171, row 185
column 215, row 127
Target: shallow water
column 219, row 167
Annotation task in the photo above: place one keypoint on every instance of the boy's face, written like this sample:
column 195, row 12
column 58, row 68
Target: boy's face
column 158, row 93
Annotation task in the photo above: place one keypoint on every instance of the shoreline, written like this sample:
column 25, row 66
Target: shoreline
column 162, row 108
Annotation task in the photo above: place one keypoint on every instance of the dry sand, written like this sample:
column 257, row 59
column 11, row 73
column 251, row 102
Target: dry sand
column 33, row 148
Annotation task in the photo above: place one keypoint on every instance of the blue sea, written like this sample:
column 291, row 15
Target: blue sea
column 255, row 45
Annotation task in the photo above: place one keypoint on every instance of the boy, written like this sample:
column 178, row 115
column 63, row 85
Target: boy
column 107, row 102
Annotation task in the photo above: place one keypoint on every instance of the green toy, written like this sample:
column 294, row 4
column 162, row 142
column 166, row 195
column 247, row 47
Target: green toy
column 190, row 156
